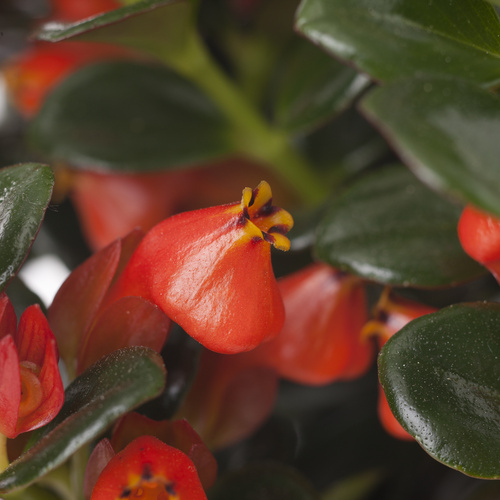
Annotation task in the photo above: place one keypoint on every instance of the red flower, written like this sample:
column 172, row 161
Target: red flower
column 150, row 470
column 479, row 234
column 31, row 390
column 390, row 315
column 210, row 271
column 321, row 339
column 87, row 327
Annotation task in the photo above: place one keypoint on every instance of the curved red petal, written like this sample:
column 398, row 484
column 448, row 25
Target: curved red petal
column 102, row 453
column 130, row 321
column 8, row 319
column 10, row 387
column 149, row 462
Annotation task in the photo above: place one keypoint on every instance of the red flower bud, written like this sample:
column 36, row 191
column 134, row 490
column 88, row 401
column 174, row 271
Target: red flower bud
column 321, row 339
column 210, row 271
column 150, row 470
column 31, row 390
column 390, row 315
column 230, row 398
column 479, row 234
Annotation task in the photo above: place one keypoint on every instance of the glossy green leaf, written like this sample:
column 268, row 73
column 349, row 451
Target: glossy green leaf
column 115, row 385
column 270, row 481
column 310, row 87
column 130, row 116
column 447, row 131
column 441, row 376
column 159, row 27
column 390, row 228
column 25, row 192
column 400, row 38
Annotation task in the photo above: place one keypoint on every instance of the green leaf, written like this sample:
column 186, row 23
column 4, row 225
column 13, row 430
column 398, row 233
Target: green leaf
column 441, row 376
column 270, row 481
column 310, row 87
column 447, row 131
column 390, row 40
column 113, row 386
column 390, row 228
column 162, row 28
column 130, row 116
column 25, row 192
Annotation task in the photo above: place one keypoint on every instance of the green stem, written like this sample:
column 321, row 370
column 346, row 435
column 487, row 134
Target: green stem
column 4, row 458
column 254, row 137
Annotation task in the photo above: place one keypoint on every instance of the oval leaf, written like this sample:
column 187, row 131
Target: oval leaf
column 129, row 116
column 390, row 40
column 107, row 390
column 390, row 228
column 441, row 376
column 447, row 131
column 25, row 192
column 311, row 87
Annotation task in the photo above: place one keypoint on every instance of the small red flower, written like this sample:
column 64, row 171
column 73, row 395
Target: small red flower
column 479, row 234
column 31, row 390
column 321, row 339
column 390, row 315
column 150, row 470
column 210, row 271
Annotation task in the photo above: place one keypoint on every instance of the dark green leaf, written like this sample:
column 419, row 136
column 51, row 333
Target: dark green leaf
column 268, row 481
column 311, row 87
column 25, row 192
column 115, row 385
column 441, row 376
column 390, row 228
column 129, row 116
column 390, row 40
column 158, row 27
column 447, row 131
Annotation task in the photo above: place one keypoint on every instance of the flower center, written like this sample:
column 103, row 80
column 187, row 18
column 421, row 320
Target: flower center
column 273, row 222
column 150, row 490
column 31, row 389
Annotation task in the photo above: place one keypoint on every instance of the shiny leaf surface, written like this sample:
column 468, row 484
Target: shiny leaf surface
column 390, row 228
column 390, row 40
column 107, row 390
column 25, row 192
column 447, row 131
column 128, row 116
column 311, row 87
column 441, row 377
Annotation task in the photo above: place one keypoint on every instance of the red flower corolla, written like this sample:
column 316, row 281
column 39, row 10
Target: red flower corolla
column 150, row 470
column 321, row 339
column 389, row 316
column 210, row 271
column 479, row 234
column 31, row 390
column 87, row 327
column 177, row 433
column 110, row 205
column 230, row 398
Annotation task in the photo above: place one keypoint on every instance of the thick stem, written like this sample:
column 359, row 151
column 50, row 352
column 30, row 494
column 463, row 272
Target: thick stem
column 254, row 137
